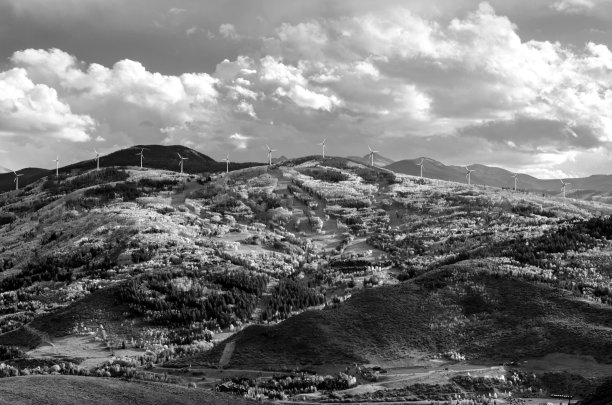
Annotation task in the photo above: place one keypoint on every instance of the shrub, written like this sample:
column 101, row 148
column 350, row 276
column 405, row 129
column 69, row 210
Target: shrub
column 7, row 218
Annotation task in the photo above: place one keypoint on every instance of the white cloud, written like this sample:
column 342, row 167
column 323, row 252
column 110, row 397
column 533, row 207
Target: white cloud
column 125, row 95
column 228, row 31
column 387, row 73
column 240, row 141
column 192, row 30
column 34, row 110
column 573, row 6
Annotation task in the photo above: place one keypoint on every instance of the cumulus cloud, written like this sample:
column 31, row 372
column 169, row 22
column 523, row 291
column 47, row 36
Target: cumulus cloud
column 387, row 73
column 125, row 95
column 34, row 110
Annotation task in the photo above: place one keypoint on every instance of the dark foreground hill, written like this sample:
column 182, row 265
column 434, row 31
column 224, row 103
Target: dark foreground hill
column 486, row 316
column 66, row 390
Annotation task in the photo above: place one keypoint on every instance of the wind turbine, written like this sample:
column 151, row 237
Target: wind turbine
column 181, row 162
column 372, row 152
column 97, row 159
column 16, row 181
column 565, row 184
column 468, row 174
column 226, row 160
column 421, row 165
column 56, row 166
column 141, row 154
column 322, row 144
column 515, row 175
column 270, row 155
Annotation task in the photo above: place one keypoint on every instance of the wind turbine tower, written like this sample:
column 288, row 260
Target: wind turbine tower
column 270, row 155
column 16, row 181
column 468, row 174
column 181, row 161
column 226, row 160
column 564, row 184
column 372, row 152
column 322, row 144
column 515, row 175
column 57, row 166
column 421, row 165
column 141, row 154
column 97, row 159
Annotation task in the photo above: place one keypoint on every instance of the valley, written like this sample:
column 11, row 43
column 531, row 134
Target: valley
column 313, row 280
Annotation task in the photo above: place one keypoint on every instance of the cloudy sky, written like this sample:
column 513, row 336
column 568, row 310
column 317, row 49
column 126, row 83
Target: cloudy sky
column 526, row 85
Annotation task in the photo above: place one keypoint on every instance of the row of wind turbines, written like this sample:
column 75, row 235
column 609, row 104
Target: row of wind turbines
column 421, row 165
column 323, row 145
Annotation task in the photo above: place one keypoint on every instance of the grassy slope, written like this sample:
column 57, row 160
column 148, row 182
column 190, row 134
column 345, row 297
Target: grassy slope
column 89, row 390
column 525, row 320
column 100, row 306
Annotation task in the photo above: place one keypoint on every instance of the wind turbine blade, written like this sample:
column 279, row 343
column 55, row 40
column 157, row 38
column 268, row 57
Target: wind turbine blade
column 179, row 155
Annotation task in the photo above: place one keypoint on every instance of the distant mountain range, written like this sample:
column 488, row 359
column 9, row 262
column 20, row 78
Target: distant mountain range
column 155, row 157
column 593, row 187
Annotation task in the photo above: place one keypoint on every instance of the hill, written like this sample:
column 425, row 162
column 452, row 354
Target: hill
column 30, row 175
column 468, row 308
column 163, row 157
column 595, row 187
column 65, row 390
column 155, row 157
column 601, row 396
column 152, row 266
column 379, row 160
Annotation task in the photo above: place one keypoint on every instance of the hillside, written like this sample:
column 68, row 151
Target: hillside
column 65, row 390
column 30, row 175
column 316, row 263
column 379, row 160
column 468, row 308
column 592, row 187
column 155, row 157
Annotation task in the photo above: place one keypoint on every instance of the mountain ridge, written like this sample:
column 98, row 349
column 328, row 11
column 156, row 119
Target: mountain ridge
column 499, row 177
column 155, row 157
